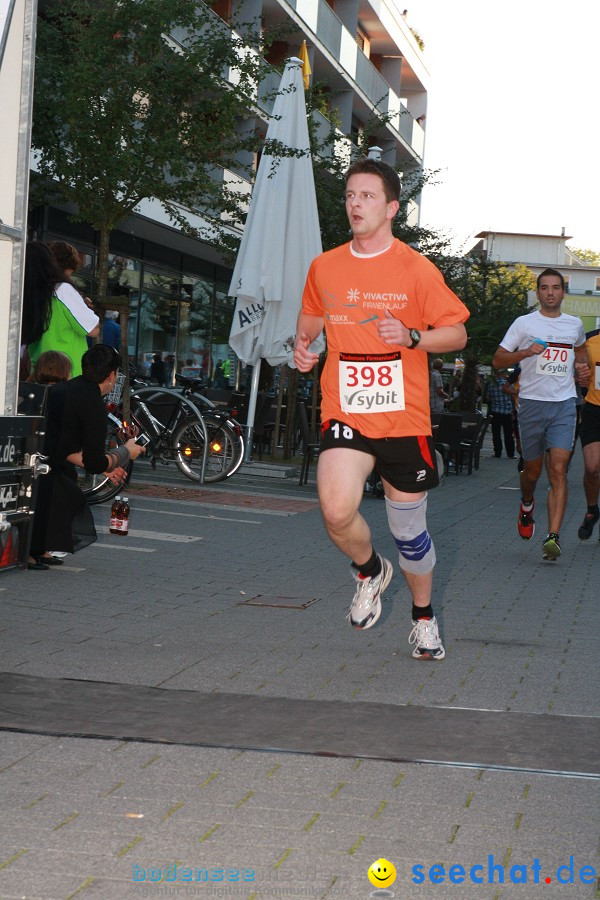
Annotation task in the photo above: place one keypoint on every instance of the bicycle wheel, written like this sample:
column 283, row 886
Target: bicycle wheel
column 99, row 488
column 225, row 450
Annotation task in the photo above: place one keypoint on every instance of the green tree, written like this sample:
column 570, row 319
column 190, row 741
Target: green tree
column 495, row 294
column 589, row 256
column 131, row 102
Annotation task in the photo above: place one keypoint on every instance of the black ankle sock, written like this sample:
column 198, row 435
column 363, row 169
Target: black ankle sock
column 422, row 612
column 593, row 510
column 371, row 568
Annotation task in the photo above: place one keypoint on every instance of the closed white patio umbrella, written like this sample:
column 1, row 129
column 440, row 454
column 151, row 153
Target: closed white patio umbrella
column 281, row 238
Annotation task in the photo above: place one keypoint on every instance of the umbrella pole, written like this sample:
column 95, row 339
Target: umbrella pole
column 251, row 411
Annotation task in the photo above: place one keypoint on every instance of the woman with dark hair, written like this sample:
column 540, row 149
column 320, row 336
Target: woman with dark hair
column 76, row 436
column 55, row 316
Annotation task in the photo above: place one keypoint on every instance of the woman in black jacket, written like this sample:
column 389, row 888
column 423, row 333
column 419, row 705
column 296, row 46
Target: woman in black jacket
column 76, row 436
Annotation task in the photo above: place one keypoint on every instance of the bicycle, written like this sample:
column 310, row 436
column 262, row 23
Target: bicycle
column 178, row 424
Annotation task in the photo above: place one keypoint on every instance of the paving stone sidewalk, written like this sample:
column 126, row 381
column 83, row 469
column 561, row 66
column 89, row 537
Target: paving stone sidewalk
column 168, row 606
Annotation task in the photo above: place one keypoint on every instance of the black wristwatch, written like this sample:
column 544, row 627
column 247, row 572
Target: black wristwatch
column 415, row 337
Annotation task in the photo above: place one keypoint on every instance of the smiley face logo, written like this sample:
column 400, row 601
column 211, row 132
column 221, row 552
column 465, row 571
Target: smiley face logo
column 382, row 873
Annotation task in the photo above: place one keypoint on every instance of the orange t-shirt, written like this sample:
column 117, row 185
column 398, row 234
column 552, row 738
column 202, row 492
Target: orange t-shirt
column 593, row 350
column 362, row 374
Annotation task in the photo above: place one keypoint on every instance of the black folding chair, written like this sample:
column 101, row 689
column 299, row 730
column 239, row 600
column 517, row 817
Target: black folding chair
column 448, row 436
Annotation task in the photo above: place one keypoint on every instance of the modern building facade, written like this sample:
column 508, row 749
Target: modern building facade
column 541, row 251
column 367, row 59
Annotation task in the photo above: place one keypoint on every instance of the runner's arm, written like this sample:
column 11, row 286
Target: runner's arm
column 444, row 338
column 435, row 340
column 504, row 358
column 308, row 329
column 583, row 372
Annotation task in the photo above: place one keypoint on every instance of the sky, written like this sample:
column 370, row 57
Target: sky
column 513, row 118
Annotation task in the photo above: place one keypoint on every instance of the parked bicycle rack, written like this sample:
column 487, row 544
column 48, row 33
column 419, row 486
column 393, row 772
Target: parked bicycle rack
column 178, row 398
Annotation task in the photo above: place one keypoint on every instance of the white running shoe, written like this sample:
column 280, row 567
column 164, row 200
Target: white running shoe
column 366, row 603
column 426, row 638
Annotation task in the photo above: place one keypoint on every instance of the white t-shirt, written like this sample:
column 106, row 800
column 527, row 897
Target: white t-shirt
column 77, row 306
column 548, row 376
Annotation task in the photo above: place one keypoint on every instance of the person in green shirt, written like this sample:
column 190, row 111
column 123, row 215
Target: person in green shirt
column 55, row 316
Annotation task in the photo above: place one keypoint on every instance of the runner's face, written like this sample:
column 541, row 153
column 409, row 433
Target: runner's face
column 550, row 293
column 369, row 213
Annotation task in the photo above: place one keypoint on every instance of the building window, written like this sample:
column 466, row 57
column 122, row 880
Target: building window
column 362, row 39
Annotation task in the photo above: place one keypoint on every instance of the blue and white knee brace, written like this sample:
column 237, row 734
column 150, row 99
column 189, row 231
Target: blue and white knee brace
column 408, row 524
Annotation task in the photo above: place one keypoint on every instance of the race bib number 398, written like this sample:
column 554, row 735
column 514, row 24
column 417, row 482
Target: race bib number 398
column 371, row 383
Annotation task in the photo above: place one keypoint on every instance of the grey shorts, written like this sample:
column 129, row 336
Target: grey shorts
column 544, row 424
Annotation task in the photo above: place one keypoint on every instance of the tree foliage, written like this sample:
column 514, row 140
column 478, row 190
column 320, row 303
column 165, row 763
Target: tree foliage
column 585, row 255
column 123, row 113
column 495, row 294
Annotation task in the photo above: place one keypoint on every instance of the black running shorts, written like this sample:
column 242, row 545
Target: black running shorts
column 589, row 427
column 407, row 463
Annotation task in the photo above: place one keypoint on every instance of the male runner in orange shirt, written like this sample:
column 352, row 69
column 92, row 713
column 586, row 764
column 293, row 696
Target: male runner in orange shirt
column 384, row 308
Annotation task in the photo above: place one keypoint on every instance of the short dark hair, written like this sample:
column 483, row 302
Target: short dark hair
column 67, row 256
column 52, row 366
column 554, row 273
column 98, row 362
column 389, row 176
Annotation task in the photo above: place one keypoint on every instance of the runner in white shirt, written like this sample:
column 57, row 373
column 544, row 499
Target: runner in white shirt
column 550, row 348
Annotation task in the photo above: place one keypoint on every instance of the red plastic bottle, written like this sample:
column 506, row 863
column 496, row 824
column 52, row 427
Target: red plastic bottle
column 124, row 520
column 116, row 516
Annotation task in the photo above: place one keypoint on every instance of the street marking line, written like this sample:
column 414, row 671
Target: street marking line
column 128, row 547
column 155, row 535
column 166, row 512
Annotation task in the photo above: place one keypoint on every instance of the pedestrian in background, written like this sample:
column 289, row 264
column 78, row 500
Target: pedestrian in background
column 76, row 436
column 51, row 367
column 500, row 410
column 55, row 316
column 111, row 330
column 437, row 394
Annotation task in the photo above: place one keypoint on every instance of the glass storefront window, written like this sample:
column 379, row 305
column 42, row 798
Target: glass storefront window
column 224, row 360
column 157, row 329
column 193, row 335
column 177, row 323
column 163, row 280
column 123, row 274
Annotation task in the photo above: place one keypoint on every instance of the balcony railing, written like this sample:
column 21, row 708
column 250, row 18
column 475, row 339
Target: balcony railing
column 330, row 32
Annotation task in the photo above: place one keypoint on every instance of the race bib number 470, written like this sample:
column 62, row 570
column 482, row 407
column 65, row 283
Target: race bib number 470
column 556, row 360
column 371, row 383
